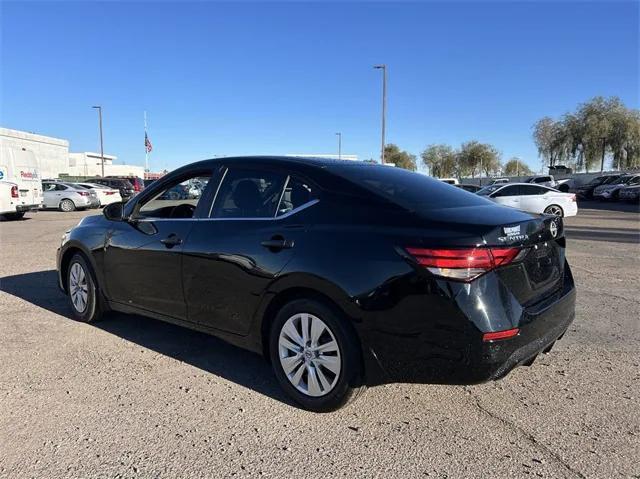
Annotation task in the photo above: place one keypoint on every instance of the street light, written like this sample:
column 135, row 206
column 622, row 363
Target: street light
column 339, row 145
column 604, row 147
column 384, row 104
column 99, row 108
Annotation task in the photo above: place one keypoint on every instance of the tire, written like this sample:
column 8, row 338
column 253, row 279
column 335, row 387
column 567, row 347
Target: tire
column 554, row 210
column 67, row 205
column 80, row 278
column 325, row 390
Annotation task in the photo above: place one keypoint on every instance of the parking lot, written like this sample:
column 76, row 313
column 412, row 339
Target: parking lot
column 134, row 397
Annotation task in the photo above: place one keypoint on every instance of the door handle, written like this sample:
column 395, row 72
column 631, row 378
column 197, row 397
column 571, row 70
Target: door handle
column 171, row 241
column 277, row 243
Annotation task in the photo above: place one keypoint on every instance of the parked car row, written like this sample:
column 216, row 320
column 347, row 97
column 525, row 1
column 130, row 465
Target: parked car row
column 624, row 187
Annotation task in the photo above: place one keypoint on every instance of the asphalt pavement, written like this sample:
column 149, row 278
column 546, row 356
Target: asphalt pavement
column 134, row 397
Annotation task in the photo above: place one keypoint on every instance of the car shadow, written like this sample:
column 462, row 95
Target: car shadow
column 197, row 349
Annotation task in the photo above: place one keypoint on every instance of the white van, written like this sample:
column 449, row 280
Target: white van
column 20, row 186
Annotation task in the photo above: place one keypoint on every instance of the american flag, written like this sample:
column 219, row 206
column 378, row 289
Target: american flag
column 147, row 143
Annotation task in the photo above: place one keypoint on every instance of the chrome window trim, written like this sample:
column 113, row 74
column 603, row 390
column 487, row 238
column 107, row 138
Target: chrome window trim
column 284, row 188
column 266, row 218
column 215, row 196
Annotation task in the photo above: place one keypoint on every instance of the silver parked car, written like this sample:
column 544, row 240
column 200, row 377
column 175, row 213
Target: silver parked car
column 68, row 196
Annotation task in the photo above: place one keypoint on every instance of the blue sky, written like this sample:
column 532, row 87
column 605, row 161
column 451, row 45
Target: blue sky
column 277, row 78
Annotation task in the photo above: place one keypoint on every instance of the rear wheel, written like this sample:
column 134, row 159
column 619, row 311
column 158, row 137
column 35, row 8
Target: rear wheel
column 554, row 210
column 82, row 291
column 67, row 205
column 315, row 356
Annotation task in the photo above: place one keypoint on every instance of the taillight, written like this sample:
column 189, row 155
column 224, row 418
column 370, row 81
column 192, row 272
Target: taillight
column 136, row 186
column 83, row 193
column 573, row 198
column 109, row 193
column 463, row 264
column 498, row 335
column 14, row 191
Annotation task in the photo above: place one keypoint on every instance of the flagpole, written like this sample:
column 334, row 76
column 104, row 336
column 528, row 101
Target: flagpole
column 146, row 150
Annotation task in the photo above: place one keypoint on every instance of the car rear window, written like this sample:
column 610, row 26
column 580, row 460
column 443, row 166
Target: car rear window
column 413, row 191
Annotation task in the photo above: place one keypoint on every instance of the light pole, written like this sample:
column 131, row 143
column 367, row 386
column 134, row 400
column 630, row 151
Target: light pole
column 384, row 104
column 604, row 147
column 339, row 135
column 99, row 108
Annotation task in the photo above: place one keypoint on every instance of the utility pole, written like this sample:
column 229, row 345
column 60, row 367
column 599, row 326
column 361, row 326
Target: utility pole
column 604, row 146
column 384, row 105
column 99, row 108
column 339, row 145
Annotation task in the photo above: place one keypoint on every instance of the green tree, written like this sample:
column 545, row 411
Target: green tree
column 441, row 160
column 516, row 167
column 402, row 159
column 580, row 137
column 475, row 157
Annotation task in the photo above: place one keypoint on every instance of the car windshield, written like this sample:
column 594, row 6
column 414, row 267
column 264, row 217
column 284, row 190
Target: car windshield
column 487, row 190
column 413, row 191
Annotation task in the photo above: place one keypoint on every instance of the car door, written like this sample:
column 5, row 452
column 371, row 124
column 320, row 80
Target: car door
column 507, row 196
column 250, row 236
column 55, row 192
column 143, row 255
column 533, row 199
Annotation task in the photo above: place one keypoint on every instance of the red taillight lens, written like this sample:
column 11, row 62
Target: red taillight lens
column 109, row 193
column 497, row 335
column 463, row 264
column 136, row 186
column 573, row 198
column 83, row 193
column 14, row 191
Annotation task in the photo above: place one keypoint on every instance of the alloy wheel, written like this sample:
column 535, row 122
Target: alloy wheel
column 78, row 287
column 67, row 205
column 309, row 354
column 553, row 210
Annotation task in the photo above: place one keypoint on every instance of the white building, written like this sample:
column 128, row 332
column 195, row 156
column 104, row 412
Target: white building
column 54, row 159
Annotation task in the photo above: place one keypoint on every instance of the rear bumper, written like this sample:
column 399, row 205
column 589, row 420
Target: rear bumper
column 25, row 208
column 448, row 348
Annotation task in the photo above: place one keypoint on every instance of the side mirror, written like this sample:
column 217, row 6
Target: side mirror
column 114, row 211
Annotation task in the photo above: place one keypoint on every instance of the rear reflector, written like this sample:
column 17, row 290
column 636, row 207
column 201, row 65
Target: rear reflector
column 497, row 335
column 463, row 264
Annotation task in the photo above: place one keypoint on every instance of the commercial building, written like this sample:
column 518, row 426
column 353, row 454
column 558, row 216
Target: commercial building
column 54, row 159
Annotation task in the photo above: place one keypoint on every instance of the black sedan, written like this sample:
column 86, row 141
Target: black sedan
column 342, row 274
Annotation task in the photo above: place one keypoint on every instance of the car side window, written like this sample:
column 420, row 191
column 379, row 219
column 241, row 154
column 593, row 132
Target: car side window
column 61, row 187
column 178, row 200
column 297, row 193
column 248, row 193
column 531, row 190
column 512, row 190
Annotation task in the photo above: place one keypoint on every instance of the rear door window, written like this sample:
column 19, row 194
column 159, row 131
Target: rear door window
column 297, row 193
column 531, row 190
column 248, row 193
column 513, row 190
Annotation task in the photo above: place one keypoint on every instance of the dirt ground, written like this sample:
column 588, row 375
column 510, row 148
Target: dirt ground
column 134, row 397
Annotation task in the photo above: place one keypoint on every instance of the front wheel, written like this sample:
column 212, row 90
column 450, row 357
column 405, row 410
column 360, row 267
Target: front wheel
column 315, row 356
column 82, row 291
column 554, row 210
